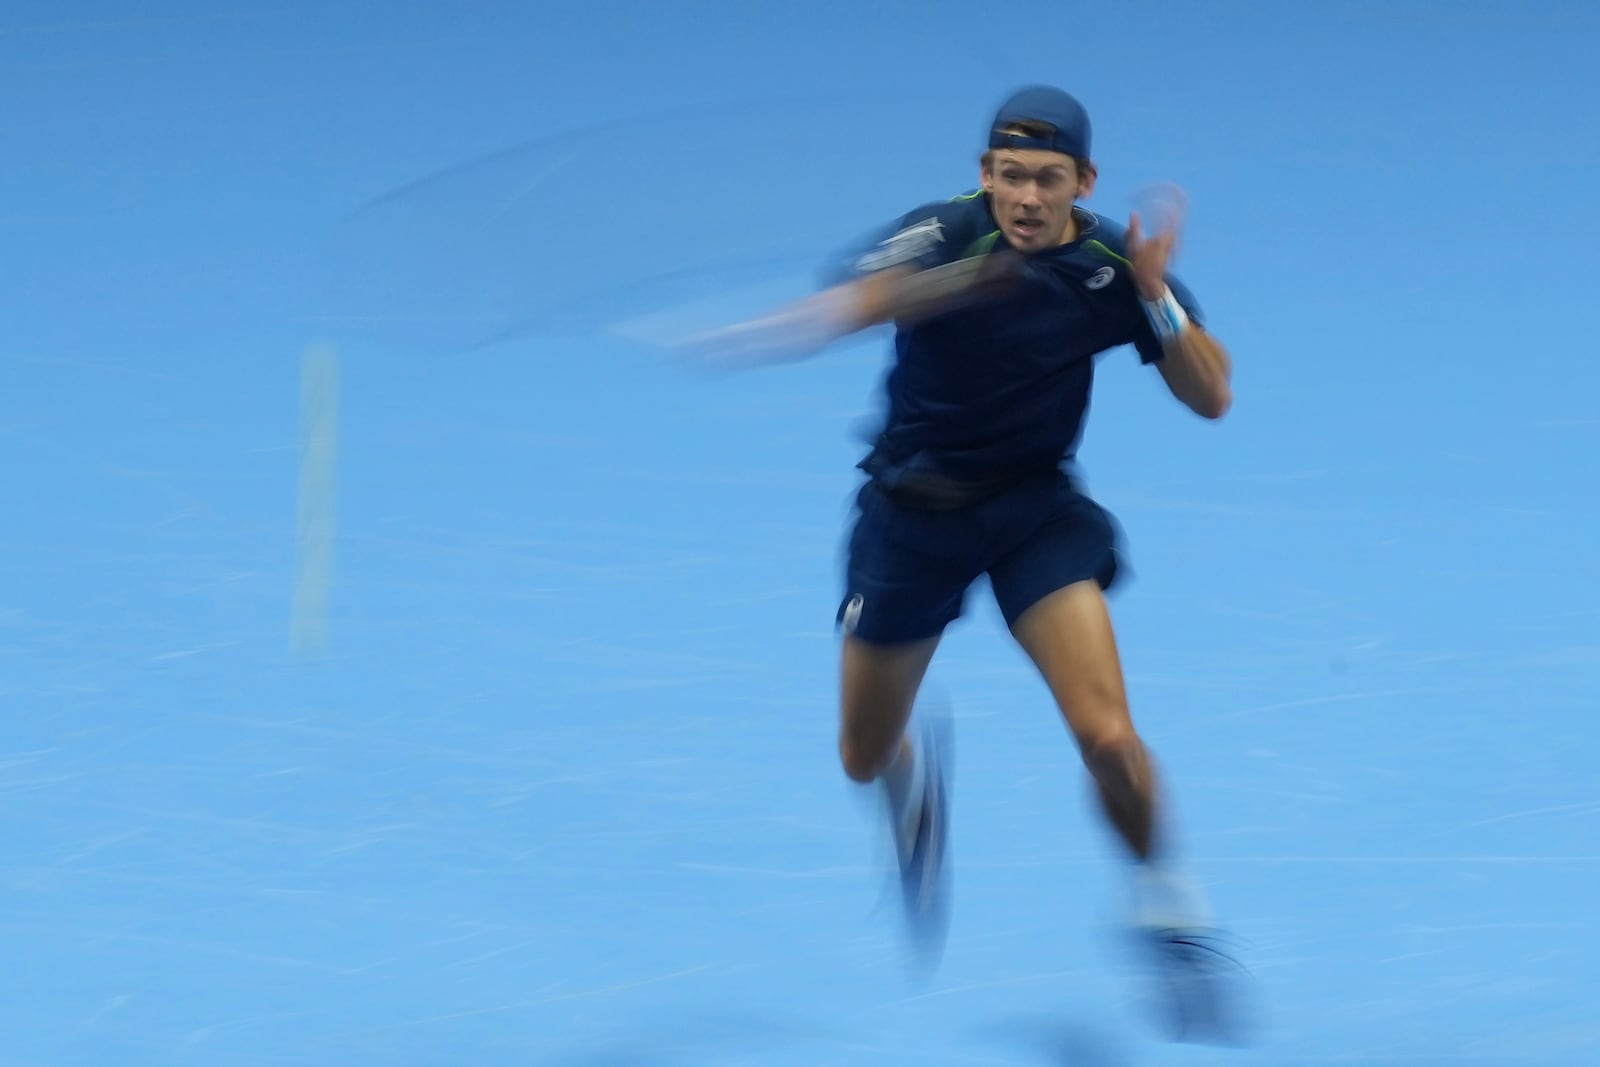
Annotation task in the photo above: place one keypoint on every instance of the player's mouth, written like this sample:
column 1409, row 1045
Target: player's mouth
column 1028, row 229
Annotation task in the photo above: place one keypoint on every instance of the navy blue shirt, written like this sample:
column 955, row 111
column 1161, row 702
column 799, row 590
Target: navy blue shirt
column 998, row 390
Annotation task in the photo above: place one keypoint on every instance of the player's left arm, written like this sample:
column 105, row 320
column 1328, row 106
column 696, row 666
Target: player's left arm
column 1193, row 363
column 1198, row 371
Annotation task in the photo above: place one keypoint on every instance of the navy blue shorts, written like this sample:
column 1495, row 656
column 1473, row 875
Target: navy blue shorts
column 908, row 570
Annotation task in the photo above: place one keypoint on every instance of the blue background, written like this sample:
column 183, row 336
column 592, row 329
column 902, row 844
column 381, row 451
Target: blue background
column 563, row 790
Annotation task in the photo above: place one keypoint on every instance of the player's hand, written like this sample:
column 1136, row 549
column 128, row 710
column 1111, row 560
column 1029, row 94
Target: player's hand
column 1162, row 209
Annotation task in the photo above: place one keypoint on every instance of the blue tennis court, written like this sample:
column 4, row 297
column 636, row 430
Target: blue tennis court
column 405, row 661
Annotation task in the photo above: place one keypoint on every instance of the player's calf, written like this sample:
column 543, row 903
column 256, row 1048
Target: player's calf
column 1120, row 766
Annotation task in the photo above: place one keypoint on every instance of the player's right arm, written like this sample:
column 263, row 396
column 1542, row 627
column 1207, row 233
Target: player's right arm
column 916, row 270
column 906, row 294
column 922, row 264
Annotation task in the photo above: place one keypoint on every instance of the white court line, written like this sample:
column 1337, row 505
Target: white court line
column 319, row 420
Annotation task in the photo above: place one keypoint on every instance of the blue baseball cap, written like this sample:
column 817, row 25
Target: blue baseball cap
column 1050, row 106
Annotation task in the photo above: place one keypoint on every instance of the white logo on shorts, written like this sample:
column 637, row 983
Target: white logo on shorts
column 1100, row 278
column 852, row 613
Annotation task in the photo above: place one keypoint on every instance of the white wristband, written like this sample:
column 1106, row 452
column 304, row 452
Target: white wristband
column 1166, row 316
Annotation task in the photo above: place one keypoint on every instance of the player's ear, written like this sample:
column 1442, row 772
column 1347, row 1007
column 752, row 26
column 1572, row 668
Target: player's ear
column 986, row 172
column 1087, row 173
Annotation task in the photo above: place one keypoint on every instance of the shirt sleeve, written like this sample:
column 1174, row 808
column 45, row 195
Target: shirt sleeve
column 927, row 237
column 1146, row 341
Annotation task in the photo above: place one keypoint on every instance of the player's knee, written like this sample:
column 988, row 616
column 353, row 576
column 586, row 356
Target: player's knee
column 1117, row 760
column 867, row 745
column 862, row 761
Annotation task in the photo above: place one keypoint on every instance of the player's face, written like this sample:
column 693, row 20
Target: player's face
column 1032, row 192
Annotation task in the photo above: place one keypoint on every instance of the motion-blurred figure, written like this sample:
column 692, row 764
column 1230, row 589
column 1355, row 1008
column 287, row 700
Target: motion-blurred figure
column 1002, row 299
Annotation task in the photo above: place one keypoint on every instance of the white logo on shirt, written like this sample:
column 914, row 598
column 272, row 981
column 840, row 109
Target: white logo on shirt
column 1100, row 278
column 910, row 243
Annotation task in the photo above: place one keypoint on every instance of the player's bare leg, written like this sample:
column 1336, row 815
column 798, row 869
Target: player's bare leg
column 1069, row 637
column 878, row 688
